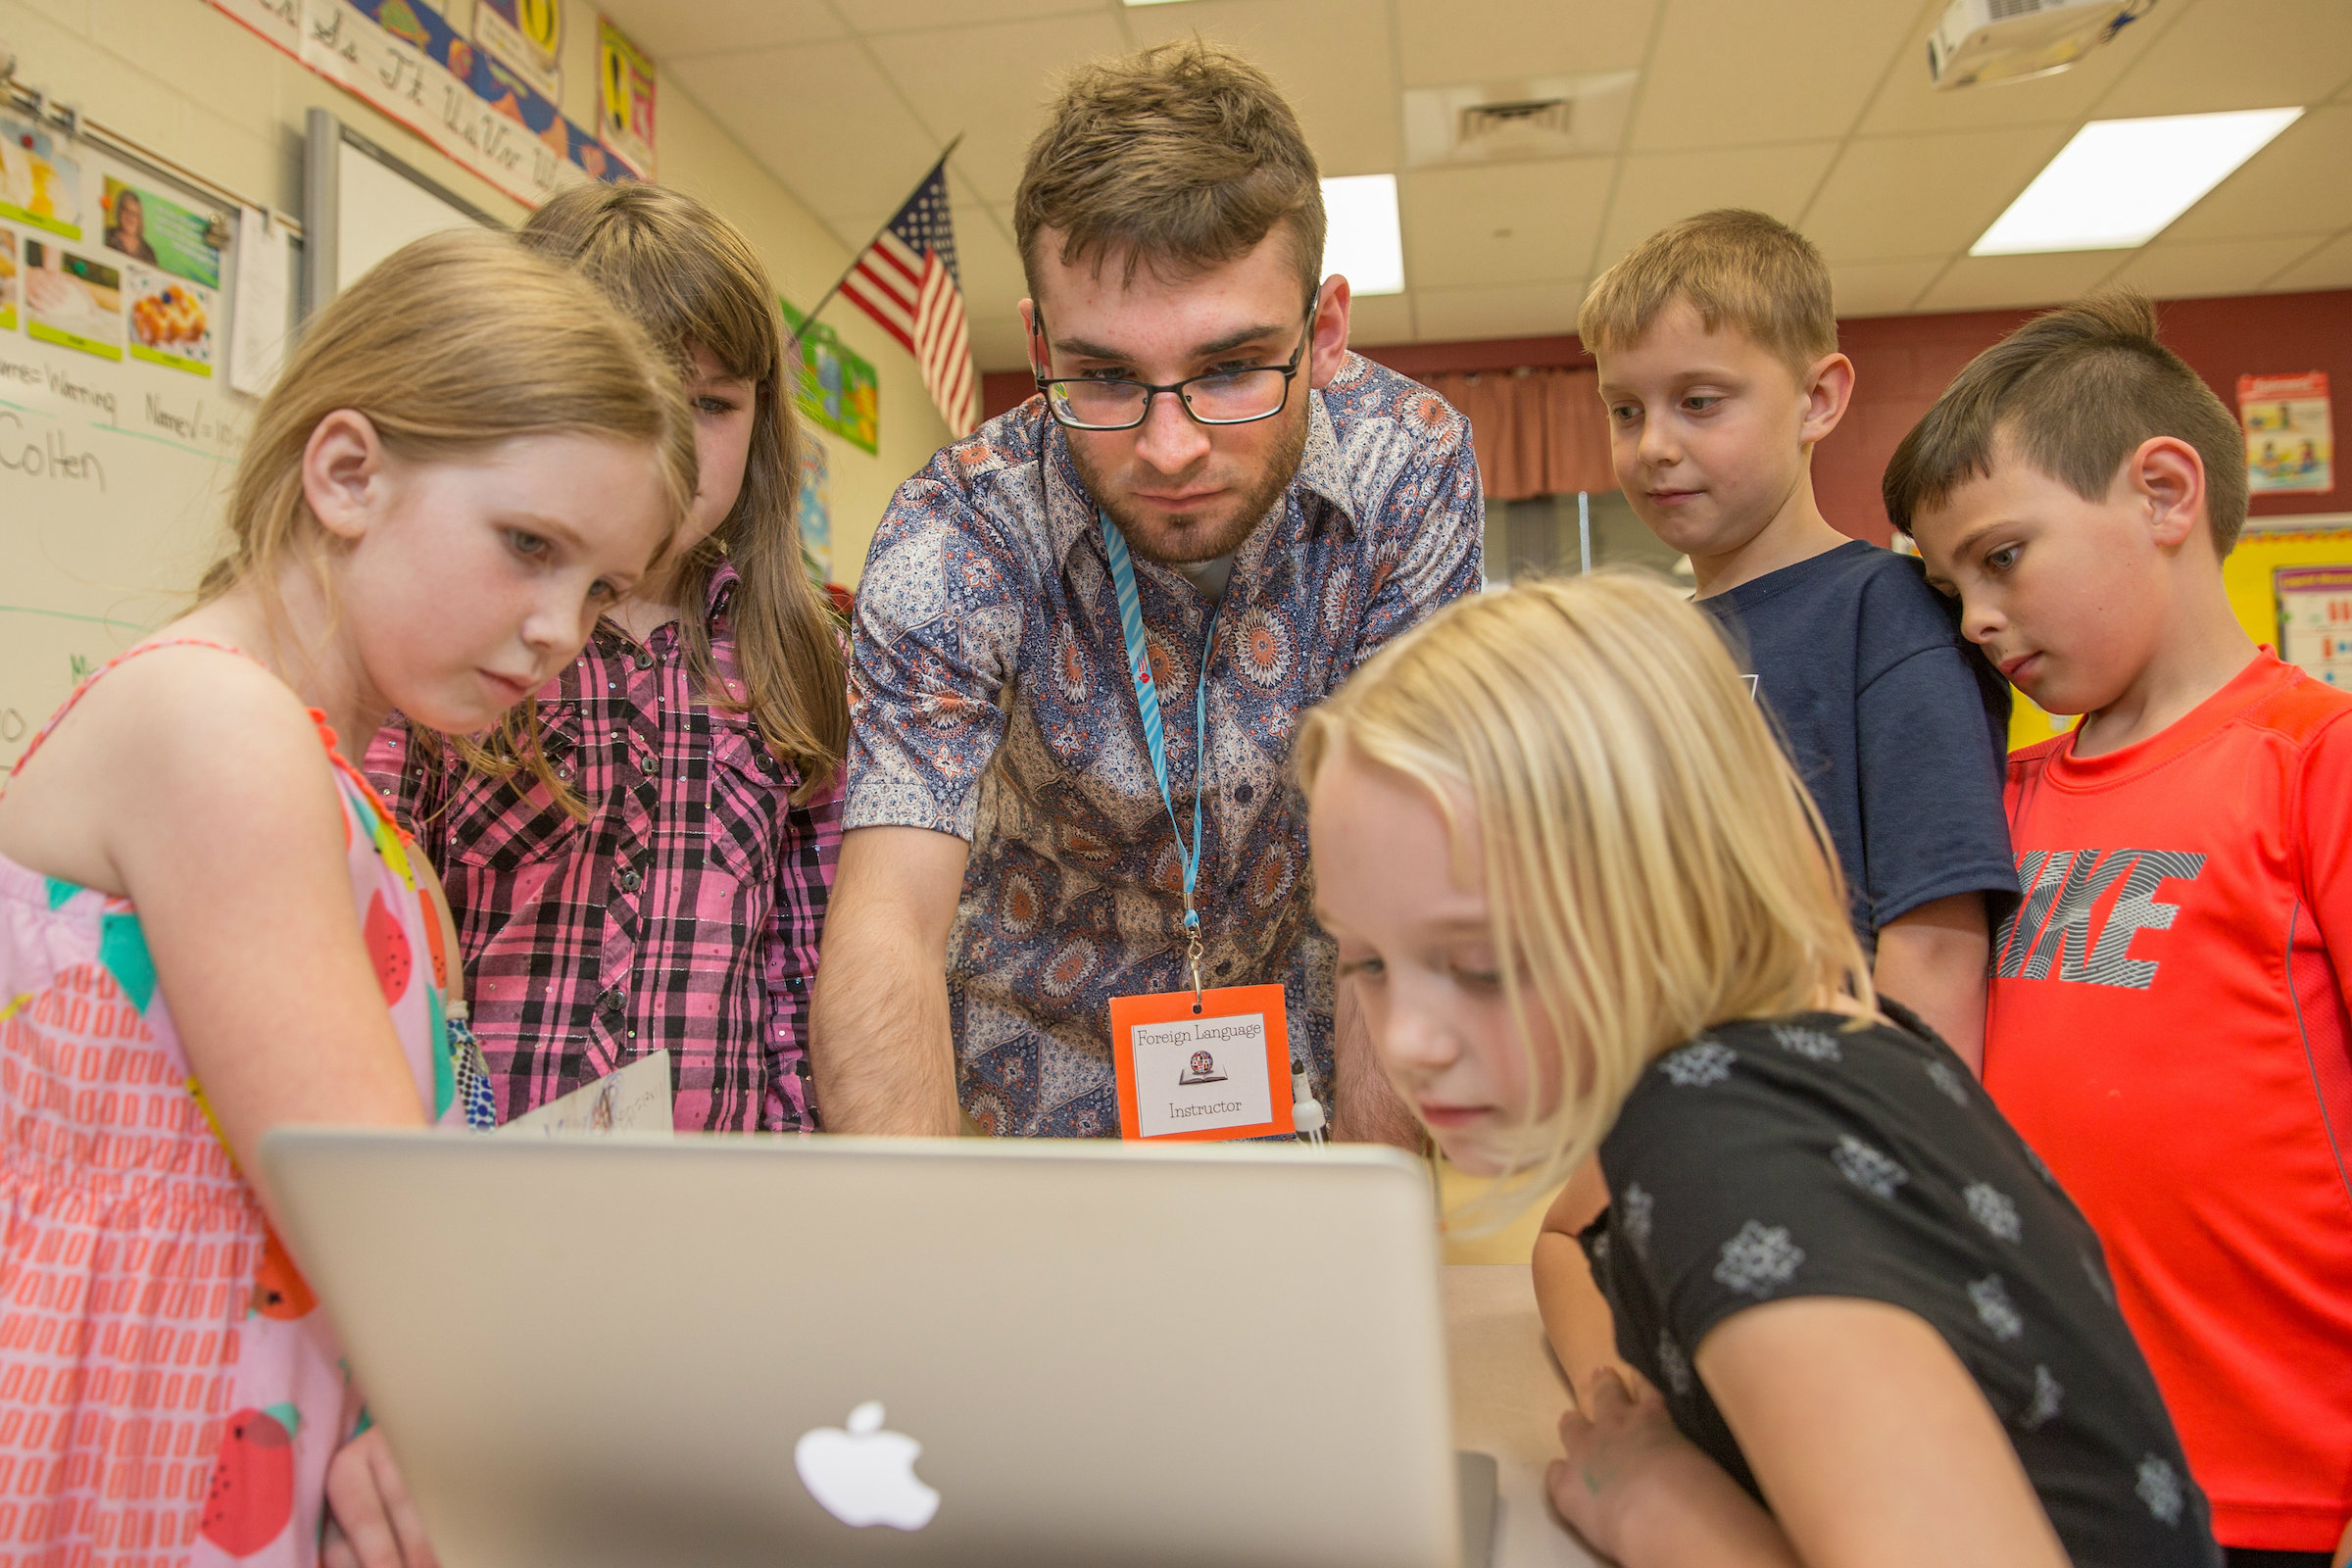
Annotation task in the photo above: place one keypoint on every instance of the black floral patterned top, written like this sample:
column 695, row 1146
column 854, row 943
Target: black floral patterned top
column 1806, row 1155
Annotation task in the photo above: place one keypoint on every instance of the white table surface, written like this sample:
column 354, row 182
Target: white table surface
column 1509, row 1396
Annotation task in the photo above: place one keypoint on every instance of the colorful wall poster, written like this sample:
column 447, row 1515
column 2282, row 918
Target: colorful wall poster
column 406, row 60
column 73, row 300
column 159, row 231
column 39, row 185
column 8, row 280
column 170, row 322
column 839, row 391
column 625, row 98
column 527, row 37
column 2315, row 620
column 2290, row 433
column 816, row 507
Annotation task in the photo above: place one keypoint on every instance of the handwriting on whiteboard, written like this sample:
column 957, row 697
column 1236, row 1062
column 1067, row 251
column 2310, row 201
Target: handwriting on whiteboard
column 51, row 455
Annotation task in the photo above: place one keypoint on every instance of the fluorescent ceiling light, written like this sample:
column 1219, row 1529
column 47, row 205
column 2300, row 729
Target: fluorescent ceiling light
column 2120, row 182
column 1361, row 241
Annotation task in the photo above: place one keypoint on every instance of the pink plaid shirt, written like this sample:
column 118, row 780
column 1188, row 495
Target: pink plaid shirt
column 684, row 913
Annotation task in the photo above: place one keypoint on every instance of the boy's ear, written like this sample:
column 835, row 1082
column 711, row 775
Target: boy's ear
column 1828, row 387
column 343, row 472
column 2167, row 476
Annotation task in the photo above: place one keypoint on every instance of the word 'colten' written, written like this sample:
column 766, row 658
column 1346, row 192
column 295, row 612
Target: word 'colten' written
column 51, row 455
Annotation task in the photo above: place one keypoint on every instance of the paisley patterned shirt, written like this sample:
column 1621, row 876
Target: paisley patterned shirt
column 990, row 699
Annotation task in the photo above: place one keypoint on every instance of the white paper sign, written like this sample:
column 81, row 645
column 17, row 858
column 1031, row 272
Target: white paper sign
column 1199, row 1074
column 259, row 319
column 633, row 1099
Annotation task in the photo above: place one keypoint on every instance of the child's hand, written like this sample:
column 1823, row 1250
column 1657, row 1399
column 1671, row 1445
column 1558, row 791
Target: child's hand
column 1620, row 1445
column 370, row 1523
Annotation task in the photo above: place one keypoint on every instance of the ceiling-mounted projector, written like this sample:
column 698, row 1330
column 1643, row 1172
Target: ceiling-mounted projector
column 2010, row 40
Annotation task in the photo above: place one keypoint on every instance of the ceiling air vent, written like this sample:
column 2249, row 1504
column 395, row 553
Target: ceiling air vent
column 1527, row 116
column 1495, row 122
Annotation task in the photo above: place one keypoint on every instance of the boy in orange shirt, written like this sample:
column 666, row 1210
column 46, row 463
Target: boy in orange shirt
column 2167, row 1020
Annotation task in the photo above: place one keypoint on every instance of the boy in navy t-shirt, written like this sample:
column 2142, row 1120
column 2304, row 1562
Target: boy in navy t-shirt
column 1719, row 365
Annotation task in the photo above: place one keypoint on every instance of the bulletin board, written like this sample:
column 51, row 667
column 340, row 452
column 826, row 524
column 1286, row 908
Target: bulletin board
column 118, row 429
column 2252, row 575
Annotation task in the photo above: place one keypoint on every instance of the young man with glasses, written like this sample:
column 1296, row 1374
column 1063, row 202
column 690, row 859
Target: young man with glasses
column 1211, row 478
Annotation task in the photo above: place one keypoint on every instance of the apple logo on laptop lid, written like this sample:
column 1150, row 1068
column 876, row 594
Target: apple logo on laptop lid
column 866, row 1475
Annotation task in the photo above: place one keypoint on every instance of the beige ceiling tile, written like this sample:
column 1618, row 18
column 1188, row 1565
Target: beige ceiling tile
column 1908, row 102
column 670, row 33
column 1380, row 318
column 2327, row 266
column 1726, row 72
column 872, row 17
column 1447, row 43
column 1895, row 196
column 1519, row 310
column 1501, row 222
column 2168, row 269
column 838, row 138
column 990, row 84
column 1994, row 282
column 1656, row 190
column 2295, row 185
column 1881, row 288
column 1331, row 57
column 2239, row 54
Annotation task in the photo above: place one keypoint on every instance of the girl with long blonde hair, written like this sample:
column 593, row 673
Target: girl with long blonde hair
column 210, row 925
column 1592, row 925
column 640, row 858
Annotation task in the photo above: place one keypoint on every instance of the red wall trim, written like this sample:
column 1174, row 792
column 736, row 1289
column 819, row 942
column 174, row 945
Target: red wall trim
column 1901, row 363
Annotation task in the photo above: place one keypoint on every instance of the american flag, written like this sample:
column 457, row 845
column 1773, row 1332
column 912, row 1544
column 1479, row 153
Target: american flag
column 908, row 280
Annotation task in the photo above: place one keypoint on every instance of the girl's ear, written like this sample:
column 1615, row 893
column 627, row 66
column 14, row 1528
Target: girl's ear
column 343, row 477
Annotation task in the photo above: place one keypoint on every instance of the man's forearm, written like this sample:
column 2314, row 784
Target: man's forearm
column 881, row 1053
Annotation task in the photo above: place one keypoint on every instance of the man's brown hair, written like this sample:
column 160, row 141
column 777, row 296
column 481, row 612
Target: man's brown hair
column 1179, row 158
column 2072, row 393
column 1731, row 265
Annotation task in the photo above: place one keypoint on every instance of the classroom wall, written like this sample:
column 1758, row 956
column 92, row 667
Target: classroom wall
column 1901, row 363
column 185, row 81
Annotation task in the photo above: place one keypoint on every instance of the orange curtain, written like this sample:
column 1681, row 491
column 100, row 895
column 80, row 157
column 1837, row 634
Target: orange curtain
column 1537, row 432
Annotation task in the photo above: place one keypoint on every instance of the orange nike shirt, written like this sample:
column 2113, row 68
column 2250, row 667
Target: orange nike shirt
column 2167, row 1028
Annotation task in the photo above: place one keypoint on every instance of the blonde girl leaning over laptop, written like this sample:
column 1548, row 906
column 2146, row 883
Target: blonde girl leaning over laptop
column 209, row 925
column 1586, row 906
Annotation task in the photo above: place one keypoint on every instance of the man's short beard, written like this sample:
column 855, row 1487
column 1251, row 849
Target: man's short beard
column 1281, row 467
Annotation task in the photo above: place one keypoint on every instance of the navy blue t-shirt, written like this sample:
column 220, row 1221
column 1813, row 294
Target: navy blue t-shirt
column 1893, row 719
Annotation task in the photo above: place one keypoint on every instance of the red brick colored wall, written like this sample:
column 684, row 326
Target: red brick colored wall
column 1902, row 362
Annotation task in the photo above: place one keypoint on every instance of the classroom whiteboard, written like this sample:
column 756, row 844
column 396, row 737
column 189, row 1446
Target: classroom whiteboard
column 118, row 429
column 361, row 204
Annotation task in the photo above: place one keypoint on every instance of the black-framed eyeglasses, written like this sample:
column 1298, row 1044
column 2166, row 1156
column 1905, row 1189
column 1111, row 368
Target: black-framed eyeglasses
column 1221, row 397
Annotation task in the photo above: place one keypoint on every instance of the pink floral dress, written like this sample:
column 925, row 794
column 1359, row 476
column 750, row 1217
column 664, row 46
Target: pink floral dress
column 169, row 1392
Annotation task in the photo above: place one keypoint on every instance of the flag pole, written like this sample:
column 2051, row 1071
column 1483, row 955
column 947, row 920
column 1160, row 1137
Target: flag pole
column 858, row 255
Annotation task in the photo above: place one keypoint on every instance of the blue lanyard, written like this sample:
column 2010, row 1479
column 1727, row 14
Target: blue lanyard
column 1146, row 706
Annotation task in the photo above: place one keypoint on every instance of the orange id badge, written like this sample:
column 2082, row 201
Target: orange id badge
column 1196, row 1077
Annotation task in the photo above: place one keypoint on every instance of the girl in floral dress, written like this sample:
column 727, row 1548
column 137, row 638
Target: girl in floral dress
column 209, row 926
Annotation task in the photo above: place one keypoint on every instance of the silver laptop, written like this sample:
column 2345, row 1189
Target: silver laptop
column 679, row 1353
